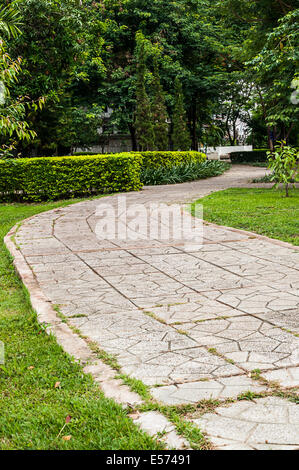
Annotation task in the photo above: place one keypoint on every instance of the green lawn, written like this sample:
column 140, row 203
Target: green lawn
column 32, row 410
column 264, row 211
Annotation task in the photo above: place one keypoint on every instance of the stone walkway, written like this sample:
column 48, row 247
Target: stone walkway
column 190, row 323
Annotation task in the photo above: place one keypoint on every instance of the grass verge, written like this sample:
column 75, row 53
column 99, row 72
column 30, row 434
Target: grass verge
column 264, row 211
column 41, row 387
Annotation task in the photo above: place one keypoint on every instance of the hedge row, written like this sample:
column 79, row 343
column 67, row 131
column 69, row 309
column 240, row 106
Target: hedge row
column 37, row 179
column 169, row 159
column 250, row 156
column 49, row 178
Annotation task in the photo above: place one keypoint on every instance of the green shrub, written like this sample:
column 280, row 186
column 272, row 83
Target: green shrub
column 158, row 159
column 36, row 179
column 284, row 163
column 50, row 178
column 184, row 172
column 251, row 156
column 170, row 159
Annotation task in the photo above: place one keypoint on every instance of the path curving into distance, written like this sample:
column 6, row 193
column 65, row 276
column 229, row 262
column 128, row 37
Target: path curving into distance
column 194, row 321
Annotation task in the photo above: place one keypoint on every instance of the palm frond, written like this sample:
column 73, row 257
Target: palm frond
column 9, row 21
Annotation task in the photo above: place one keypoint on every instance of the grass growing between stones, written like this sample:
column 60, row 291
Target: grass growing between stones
column 40, row 385
column 264, row 211
column 175, row 414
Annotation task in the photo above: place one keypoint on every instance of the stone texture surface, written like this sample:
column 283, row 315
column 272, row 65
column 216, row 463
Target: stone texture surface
column 266, row 423
column 157, row 425
column 151, row 351
column 193, row 318
column 288, row 377
column 250, row 342
column 231, row 295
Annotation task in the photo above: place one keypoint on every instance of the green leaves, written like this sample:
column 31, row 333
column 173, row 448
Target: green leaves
column 10, row 20
column 143, row 116
column 273, row 72
column 159, row 113
column 284, row 163
column 170, row 159
column 38, row 179
column 13, row 124
column 185, row 171
column 180, row 135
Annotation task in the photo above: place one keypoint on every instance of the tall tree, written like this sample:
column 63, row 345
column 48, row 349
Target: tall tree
column 267, row 60
column 188, row 41
column 274, row 71
column 159, row 112
column 180, row 134
column 143, row 122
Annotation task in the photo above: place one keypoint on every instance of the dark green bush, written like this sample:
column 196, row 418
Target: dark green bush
column 37, row 179
column 184, row 172
column 253, row 156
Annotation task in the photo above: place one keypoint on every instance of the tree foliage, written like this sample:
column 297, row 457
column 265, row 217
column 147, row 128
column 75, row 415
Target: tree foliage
column 274, row 72
column 13, row 124
column 159, row 113
column 268, row 61
column 237, row 60
column 180, row 134
column 59, row 46
column 144, row 121
column 284, row 165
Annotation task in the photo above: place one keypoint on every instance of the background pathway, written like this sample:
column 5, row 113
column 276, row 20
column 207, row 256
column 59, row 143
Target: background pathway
column 195, row 322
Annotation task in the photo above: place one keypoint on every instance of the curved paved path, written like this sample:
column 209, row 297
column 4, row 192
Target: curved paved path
column 194, row 321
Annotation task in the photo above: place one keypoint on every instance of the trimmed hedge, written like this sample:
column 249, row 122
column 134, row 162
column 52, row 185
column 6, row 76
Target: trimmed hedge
column 170, row 159
column 167, row 159
column 44, row 178
column 50, row 178
column 251, row 156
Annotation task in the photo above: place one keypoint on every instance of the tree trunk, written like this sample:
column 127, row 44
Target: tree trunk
column 193, row 120
column 288, row 133
column 133, row 137
column 270, row 140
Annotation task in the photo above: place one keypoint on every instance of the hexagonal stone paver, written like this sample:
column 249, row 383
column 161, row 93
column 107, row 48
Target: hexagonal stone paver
column 288, row 319
column 191, row 271
column 265, row 423
column 197, row 308
column 288, row 377
column 264, row 250
column 140, row 285
column 259, row 299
